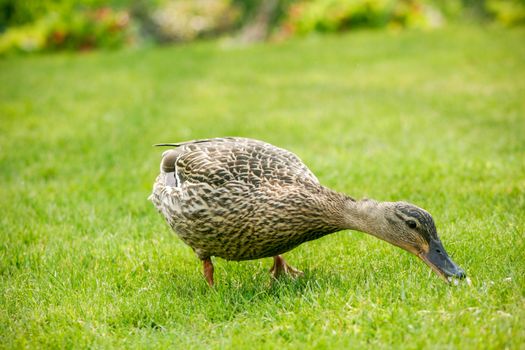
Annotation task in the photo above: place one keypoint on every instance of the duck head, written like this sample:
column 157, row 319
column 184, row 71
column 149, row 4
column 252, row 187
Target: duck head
column 409, row 227
column 413, row 229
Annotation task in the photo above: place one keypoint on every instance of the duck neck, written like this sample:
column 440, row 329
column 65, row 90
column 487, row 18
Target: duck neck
column 365, row 215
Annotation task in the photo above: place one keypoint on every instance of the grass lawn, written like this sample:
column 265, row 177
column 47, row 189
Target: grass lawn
column 434, row 118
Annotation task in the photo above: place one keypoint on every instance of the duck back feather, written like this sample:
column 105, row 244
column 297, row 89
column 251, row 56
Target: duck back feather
column 242, row 199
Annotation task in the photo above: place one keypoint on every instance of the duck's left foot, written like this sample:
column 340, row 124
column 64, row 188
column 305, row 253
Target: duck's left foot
column 280, row 267
column 208, row 271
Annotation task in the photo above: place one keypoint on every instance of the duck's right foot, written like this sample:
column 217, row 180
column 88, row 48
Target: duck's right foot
column 280, row 267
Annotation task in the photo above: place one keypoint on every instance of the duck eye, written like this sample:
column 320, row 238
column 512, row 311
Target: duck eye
column 411, row 224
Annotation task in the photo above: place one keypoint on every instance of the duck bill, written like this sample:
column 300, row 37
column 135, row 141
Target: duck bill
column 439, row 261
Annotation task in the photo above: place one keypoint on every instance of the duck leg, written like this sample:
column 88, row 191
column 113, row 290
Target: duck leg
column 208, row 271
column 280, row 267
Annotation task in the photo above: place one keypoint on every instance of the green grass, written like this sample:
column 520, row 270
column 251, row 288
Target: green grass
column 434, row 118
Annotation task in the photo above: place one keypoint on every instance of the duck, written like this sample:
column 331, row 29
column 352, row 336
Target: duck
column 241, row 199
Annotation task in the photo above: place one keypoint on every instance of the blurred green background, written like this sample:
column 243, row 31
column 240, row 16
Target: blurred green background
column 33, row 25
column 413, row 100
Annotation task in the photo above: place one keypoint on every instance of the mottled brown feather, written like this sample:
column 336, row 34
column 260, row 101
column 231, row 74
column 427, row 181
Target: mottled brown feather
column 243, row 199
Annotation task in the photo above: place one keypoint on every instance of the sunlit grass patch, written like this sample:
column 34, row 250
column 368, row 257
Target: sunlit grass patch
column 434, row 118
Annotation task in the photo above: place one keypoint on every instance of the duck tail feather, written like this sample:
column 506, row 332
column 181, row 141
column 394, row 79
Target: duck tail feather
column 167, row 145
column 220, row 139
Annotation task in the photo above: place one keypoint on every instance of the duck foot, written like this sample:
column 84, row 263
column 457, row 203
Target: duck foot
column 280, row 267
column 208, row 271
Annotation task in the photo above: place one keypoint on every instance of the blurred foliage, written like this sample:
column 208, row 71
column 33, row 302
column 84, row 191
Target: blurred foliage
column 507, row 12
column 21, row 12
column 34, row 25
column 339, row 15
column 184, row 20
column 77, row 30
column 249, row 10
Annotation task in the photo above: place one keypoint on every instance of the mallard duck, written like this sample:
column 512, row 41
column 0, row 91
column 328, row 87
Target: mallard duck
column 242, row 199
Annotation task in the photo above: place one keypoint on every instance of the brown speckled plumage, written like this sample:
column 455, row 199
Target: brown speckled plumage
column 242, row 199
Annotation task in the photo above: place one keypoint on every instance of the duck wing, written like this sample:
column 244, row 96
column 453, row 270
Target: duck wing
column 221, row 160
